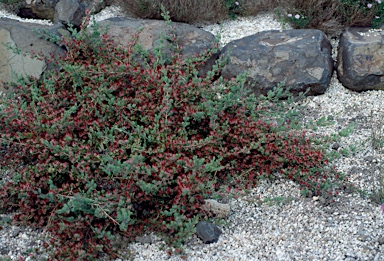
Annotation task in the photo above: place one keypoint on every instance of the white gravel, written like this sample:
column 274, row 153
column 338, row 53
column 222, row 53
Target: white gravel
column 275, row 222
column 6, row 14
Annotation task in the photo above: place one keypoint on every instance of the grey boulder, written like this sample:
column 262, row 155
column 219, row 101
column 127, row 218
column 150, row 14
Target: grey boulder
column 192, row 39
column 360, row 61
column 38, row 9
column 47, row 9
column 299, row 58
column 23, row 36
column 69, row 12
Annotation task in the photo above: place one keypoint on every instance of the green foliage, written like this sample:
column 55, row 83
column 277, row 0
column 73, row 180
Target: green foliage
column 377, row 143
column 234, row 8
column 348, row 8
column 331, row 16
column 348, row 130
column 12, row 5
column 298, row 19
column 187, row 11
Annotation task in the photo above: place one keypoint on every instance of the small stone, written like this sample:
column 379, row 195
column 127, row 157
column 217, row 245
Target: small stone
column 368, row 158
column 23, row 236
column 315, row 198
column 146, row 239
column 309, row 194
column 362, row 235
column 208, row 232
column 4, row 250
column 216, row 209
column 335, row 146
column 15, row 232
column 365, row 249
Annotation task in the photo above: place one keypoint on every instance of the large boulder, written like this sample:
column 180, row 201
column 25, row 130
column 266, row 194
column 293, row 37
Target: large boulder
column 38, row 9
column 192, row 39
column 48, row 9
column 360, row 61
column 299, row 58
column 69, row 12
column 23, row 36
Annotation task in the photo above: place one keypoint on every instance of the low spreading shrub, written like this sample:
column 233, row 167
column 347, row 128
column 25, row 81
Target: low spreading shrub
column 329, row 16
column 332, row 16
column 12, row 5
column 193, row 12
column 377, row 144
column 249, row 7
column 105, row 148
column 187, row 11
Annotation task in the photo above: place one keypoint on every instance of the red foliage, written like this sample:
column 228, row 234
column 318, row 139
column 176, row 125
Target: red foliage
column 106, row 137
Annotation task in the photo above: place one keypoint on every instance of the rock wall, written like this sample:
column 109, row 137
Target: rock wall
column 301, row 59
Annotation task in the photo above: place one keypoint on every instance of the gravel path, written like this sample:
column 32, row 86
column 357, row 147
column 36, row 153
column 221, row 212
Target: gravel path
column 275, row 222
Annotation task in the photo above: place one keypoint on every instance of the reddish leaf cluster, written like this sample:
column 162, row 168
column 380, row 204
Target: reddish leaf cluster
column 108, row 145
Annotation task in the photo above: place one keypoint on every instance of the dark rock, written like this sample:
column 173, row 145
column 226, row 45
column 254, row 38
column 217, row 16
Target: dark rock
column 192, row 39
column 208, row 232
column 369, row 158
column 360, row 63
column 69, row 12
column 39, row 9
column 335, row 146
column 89, row 4
column 300, row 58
column 4, row 250
column 24, row 37
column 25, row 12
column 46, row 9
column 146, row 239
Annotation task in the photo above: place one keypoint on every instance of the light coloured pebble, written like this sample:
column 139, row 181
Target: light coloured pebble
column 351, row 228
column 244, row 26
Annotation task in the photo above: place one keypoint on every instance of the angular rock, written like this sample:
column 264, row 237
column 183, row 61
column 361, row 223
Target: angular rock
column 380, row 240
column 208, row 232
column 4, row 250
column 23, row 37
column 335, row 146
column 38, row 9
column 300, row 58
column 145, row 239
column 360, row 60
column 69, row 12
column 193, row 39
column 216, row 209
column 46, row 9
